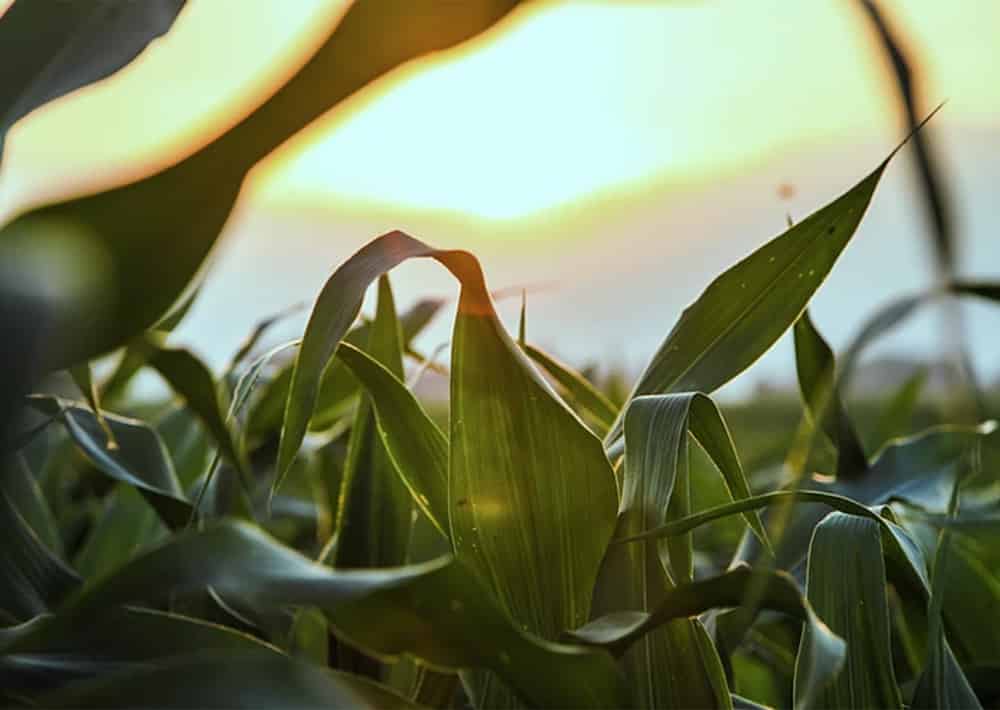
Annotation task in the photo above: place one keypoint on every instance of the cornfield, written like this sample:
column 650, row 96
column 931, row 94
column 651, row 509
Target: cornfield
column 302, row 530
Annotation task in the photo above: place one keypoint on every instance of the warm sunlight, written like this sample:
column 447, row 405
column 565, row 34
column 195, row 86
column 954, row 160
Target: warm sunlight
column 559, row 103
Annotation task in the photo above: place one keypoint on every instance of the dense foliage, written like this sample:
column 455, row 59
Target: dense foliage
column 302, row 530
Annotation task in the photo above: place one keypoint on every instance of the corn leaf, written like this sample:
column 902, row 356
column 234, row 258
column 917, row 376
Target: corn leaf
column 417, row 447
column 31, row 576
column 671, row 667
column 919, row 469
column 45, row 54
column 27, row 498
column 246, row 679
column 113, row 641
column 816, row 370
column 194, row 197
column 374, row 511
column 124, row 526
column 191, row 379
column 388, row 611
column 582, row 392
column 529, row 516
column 746, row 309
column 140, row 459
column 846, row 585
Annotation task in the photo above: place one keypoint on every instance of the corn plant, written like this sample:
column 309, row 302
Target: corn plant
column 302, row 529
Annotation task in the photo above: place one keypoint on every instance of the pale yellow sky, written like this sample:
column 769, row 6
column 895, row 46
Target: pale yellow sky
column 563, row 101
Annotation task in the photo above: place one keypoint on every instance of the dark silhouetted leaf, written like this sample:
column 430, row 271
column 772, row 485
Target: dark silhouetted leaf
column 388, row 611
column 181, row 209
column 48, row 54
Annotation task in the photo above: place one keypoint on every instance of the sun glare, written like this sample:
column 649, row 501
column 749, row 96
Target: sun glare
column 562, row 102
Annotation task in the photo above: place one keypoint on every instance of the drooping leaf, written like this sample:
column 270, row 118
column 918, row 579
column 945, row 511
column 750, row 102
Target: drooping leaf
column 387, row 611
column 817, row 376
column 846, row 585
column 530, row 516
column 531, row 491
column 181, row 209
column 618, row 631
column 823, row 656
column 48, row 54
column 338, row 390
column 463, row 628
column 140, row 459
column 745, row 310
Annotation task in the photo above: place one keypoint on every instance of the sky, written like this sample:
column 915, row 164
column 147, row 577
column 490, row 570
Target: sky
column 585, row 144
column 561, row 102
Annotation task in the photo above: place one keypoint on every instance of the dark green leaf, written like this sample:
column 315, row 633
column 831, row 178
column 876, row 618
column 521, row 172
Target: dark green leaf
column 25, row 495
column 126, row 525
column 387, row 611
column 374, row 515
column 181, row 209
column 816, row 369
column 114, row 640
column 140, row 459
column 192, row 380
column 31, row 577
column 48, row 54
column 224, row 679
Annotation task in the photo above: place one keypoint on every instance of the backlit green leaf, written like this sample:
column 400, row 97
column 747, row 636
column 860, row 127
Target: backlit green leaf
column 418, row 448
column 531, row 493
column 745, row 310
column 581, row 391
column 374, row 511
